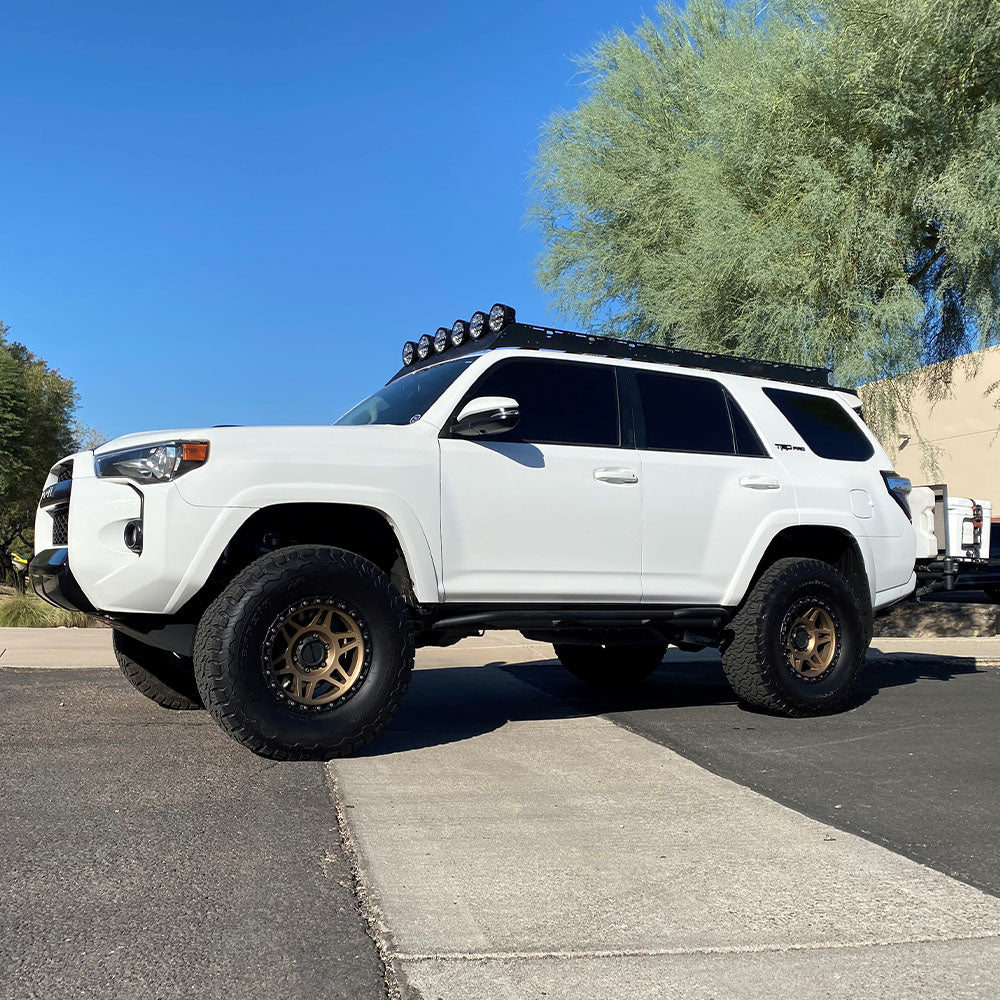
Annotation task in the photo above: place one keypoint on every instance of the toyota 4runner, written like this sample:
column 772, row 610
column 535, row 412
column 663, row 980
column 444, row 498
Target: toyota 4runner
column 609, row 497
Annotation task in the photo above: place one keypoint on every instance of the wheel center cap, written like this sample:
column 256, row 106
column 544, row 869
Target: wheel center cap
column 800, row 638
column 310, row 652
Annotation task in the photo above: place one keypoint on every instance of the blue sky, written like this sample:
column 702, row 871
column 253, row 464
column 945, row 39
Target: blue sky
column 224, row 212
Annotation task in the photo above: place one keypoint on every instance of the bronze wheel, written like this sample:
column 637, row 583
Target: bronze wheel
column 810, row 640
column 316, row 654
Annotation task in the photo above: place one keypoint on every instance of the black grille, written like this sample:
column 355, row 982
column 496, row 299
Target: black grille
column 60, row 526
column 66, row 472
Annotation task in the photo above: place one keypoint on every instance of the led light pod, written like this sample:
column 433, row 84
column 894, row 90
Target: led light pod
column 424, row 345
column 501, row 316
column 409, row 352
column 459, row 332
column 441, row 339
column 477, row 325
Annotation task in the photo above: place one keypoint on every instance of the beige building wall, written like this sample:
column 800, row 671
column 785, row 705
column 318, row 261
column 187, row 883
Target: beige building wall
column 965, row 427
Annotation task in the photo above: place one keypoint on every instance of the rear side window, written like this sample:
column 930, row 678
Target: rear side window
column 825, row 426
column 560, row 402
column 693, row 414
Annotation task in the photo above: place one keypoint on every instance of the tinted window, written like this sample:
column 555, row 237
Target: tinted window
column 825, row 426
column 561, row 402
column 747, row 442
column 406, row 399
column 685, row 414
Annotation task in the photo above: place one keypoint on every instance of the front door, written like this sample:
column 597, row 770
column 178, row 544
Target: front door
column 551, row 510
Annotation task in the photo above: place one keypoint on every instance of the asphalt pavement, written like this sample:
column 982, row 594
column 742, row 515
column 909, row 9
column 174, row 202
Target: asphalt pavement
column 145, row 855
column 913, row 765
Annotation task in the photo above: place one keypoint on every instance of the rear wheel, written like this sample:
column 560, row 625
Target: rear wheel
column 797, row 644
column 306, row 654
column 163, row 677
column 611, row 666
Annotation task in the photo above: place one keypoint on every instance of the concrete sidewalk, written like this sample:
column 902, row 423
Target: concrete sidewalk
column 56, row 647
column 514, row 850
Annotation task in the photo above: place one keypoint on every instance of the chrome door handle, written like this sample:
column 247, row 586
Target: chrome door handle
column 759, row 483
column 622, row 477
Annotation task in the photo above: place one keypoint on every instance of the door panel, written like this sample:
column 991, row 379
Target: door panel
column 709, row 487
column 699, row 520
column 551, row 510
column 527, row 522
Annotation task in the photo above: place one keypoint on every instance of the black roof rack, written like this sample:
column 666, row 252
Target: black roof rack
column 543, row 338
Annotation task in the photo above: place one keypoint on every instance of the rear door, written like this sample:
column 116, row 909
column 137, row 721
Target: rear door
column 549, row 511
column 708, row 487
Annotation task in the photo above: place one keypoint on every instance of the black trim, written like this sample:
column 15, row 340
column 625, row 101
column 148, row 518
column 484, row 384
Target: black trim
column 53, row 581
column 161, row 631
column 517, row 616
column 56, row 493
column 545, row 338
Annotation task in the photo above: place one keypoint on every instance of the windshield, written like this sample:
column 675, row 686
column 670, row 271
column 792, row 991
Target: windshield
column 407, row 399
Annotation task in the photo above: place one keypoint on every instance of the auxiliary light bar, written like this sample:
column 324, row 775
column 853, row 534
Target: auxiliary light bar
column 499, row 317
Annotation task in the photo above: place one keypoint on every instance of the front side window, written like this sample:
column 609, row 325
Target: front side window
column 825, row 426
column 407, row 399
column 561, row 402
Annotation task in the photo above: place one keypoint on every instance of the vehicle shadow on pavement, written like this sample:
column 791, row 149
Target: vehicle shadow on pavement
column 450, row 704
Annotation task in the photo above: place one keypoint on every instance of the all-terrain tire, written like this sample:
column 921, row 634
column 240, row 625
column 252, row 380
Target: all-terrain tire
column 161, row 676
column 231, row 653
column 755, row 654
column 612, row 665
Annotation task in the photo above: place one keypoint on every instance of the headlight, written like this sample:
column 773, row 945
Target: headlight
column 441, row 339
column 459, row 331
column 409, row 352
column 424, row 345
column 154, row 463
column 501, row 316
column 477, row 325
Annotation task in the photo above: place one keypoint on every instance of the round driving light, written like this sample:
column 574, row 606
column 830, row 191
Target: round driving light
column 459, row 331
column 441, row 339
column 409, row 352
column 500, row 316
column 424, row 346
column 477, row 325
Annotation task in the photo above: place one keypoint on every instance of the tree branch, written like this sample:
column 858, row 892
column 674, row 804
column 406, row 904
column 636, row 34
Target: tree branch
column 928, row 264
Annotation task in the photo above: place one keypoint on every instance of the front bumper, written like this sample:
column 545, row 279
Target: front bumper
column 53, row 581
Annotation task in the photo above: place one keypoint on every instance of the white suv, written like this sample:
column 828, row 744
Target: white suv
column 608, row 497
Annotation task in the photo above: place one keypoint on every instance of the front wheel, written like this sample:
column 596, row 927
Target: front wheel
column 797, row 644
column 306, row 655
column 610, row 665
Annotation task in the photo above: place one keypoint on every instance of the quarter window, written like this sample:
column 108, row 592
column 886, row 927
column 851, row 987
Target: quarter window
column 825, row 426
column 561, row 402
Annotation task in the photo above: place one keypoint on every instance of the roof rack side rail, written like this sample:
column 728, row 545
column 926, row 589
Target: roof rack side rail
column 548, row 339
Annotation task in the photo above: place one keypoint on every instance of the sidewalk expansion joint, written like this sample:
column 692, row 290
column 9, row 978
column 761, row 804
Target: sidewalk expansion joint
column 750, row 949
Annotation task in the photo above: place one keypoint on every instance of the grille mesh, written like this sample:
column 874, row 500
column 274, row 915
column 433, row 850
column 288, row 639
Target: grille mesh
column 60, row 526
column 66, row 472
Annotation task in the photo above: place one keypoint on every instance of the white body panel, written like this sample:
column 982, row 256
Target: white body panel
column 532, row 523
column 480, row 521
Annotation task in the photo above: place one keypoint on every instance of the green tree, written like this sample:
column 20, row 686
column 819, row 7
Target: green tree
column 36, row 429
column 809, row 182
